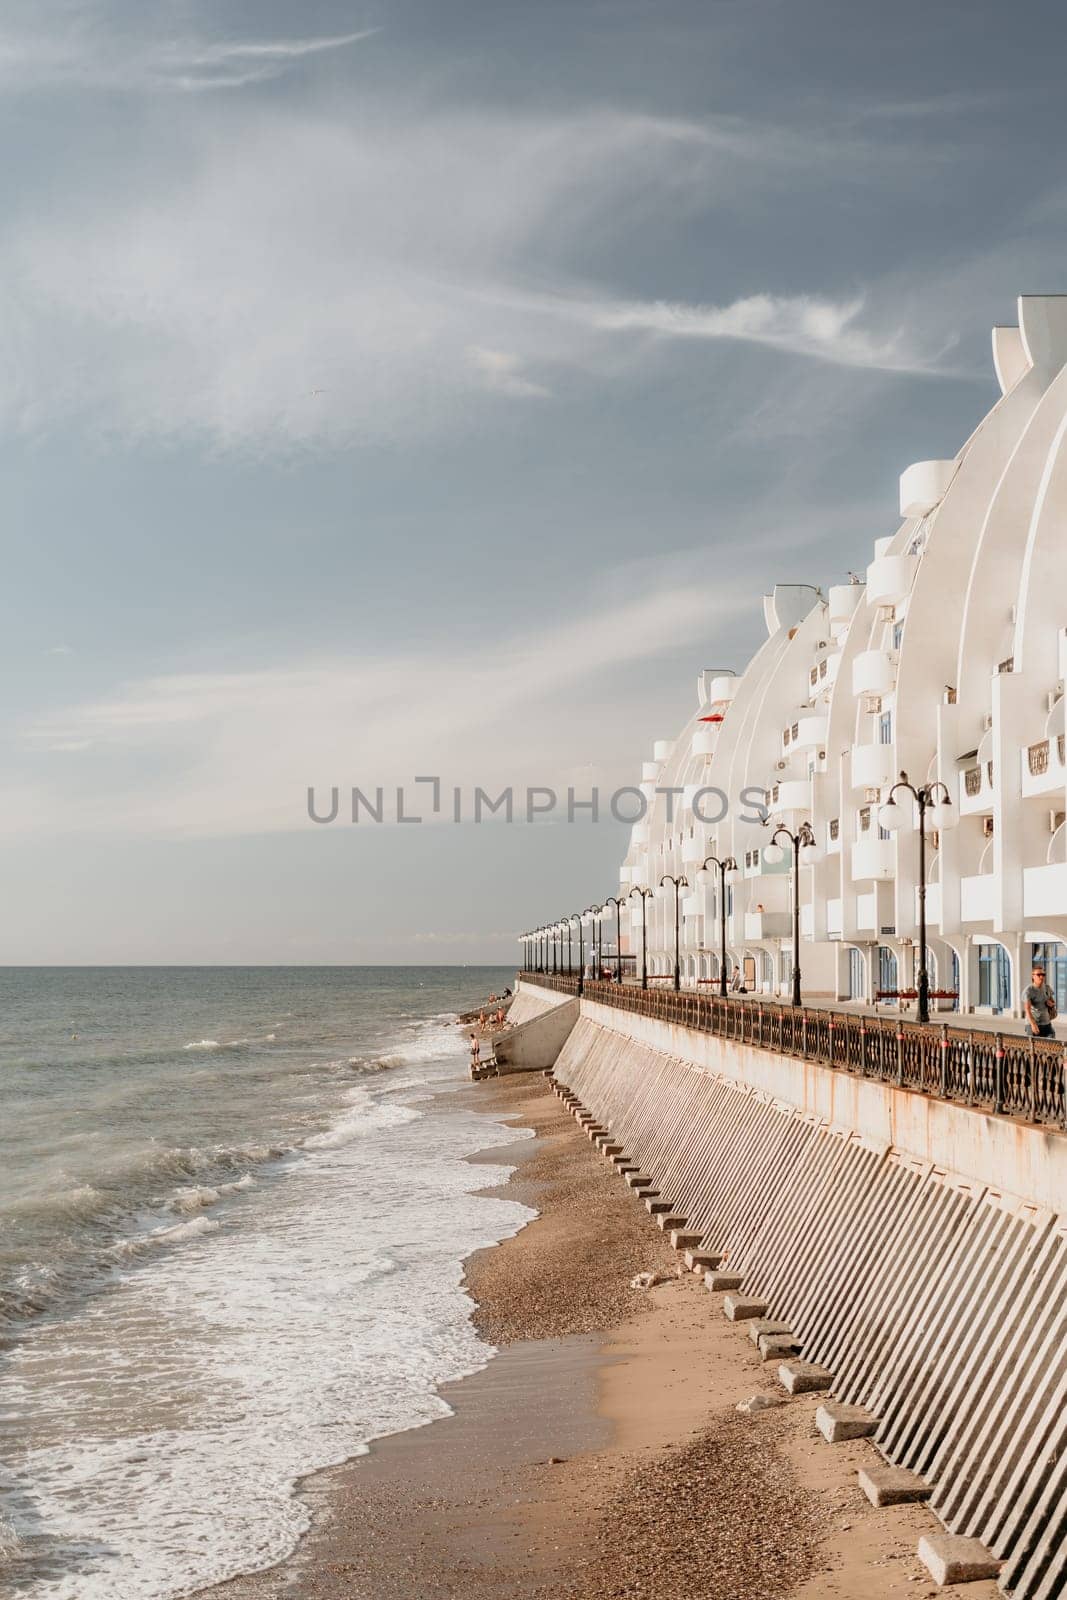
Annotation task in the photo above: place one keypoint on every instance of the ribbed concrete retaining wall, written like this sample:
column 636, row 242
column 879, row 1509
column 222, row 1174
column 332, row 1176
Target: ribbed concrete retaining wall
column 937, row 1301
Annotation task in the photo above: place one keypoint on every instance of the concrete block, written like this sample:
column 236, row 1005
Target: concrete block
column 638, row 1182
column 952, row 1558
column 658, row 1207
column 837, row 1422
column 892, row 1486
column 701, row 1260
column 762, row 1325
column 803, row 1377
column 611, row 1149
column 739, row 1308
column 680, row 1240
column 777, row 1347
column 715, row 1281
column 668, row 1222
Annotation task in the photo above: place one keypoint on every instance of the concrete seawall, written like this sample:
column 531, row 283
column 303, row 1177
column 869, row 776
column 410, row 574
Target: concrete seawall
column 915, row 1248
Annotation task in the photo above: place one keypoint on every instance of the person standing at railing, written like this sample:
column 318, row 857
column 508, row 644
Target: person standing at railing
column 1040, row 1005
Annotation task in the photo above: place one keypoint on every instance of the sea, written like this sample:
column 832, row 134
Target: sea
column 234, row 1206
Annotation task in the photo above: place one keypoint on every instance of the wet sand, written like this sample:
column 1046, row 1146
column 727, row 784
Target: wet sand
column 599, row 1454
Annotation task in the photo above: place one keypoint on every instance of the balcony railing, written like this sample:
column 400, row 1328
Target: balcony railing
column 1037, row 756
column 1016, row 1076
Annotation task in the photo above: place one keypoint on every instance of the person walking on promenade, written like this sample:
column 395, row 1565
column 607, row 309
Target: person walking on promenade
column 1040, row 1005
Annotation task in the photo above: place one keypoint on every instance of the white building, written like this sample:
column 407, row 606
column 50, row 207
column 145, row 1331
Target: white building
column 948, row 662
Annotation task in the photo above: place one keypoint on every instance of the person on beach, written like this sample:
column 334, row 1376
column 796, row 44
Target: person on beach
column 1040, row 1005
column 476, row 1050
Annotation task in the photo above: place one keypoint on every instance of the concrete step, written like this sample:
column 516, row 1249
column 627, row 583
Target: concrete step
column 740, row 1308
column 668, row 1222
column 803, row 1377
column 716, row 1281
column 701, row 1260
column 892, row 1486
column 777, row 1347
column 952, row 1558
column 837, row 1422
column 762, row 1325
column 636, row 1181
column 681, row 1240
column 657, row 1207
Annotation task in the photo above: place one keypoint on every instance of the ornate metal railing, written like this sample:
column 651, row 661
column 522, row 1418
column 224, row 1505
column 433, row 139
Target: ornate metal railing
column 1009, row 1074
column 972, row 780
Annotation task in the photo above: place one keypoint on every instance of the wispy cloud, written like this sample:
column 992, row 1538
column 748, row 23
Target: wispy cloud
column 228, row 753
column 97, row 46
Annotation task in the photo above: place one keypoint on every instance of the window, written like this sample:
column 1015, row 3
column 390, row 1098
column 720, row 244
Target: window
column 883, row 833
column 994, row 977
column 857, row 975
column 885, row 728
column 887, row 969
column 898, row 634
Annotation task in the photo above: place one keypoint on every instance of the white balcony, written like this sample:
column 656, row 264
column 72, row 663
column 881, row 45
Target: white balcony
column 1043, row 769
column 833, row 837
column 843, row 599
column 889, row 580
column 807, row 922
column 704, row 739
column 693, row 851
column 768, row 925
column 811, row 733
column 872, row 673
column 976, row 789
column 792, row 794
column 663, row 749
column 873, row 765
column 1045, row 891
column 721, row 690
column 978, row 897
column 923, row 485
column 639, row 835
column 649, row 771
column 834, row 921
column 872, row 858
column 867, row 912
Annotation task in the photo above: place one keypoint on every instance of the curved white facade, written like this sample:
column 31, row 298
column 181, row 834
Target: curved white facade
column 948, row 662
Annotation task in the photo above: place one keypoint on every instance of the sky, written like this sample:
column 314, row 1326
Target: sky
column 432, row 388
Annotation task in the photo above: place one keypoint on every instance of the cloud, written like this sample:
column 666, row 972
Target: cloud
column 102, row 47
column 500, row 370
column 412, row 261
column 217, row 754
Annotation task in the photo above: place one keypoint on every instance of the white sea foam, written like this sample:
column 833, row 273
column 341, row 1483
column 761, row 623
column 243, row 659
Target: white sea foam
column 203, row 1044
column 273, row 1325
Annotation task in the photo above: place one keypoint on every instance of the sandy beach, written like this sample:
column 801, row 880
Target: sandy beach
column 600, row 1453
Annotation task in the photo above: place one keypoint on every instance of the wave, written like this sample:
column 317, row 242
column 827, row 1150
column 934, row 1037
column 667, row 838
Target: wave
column 177, row 1233
column 197, row 1198
column 203, row 1044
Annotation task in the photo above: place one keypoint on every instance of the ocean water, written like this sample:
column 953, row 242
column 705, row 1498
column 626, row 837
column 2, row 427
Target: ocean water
column 233, row 1208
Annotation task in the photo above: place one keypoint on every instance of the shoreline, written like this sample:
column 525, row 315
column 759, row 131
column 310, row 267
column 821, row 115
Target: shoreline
column 599, row 1451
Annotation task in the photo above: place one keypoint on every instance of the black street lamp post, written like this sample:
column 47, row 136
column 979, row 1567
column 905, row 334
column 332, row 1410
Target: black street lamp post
column 804, row 838
column 613, row 900
column 678, row 883
column 646, row 895
column 892, row 816
column 576, row 916
column 729, row 865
